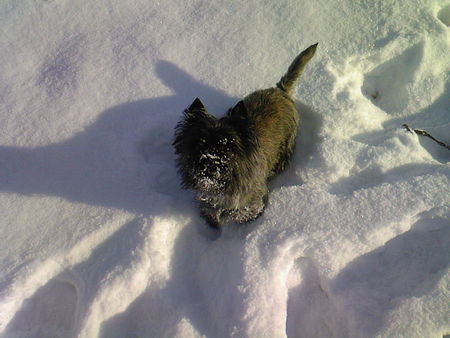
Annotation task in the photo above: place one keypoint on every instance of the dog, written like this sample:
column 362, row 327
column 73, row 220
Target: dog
column 228, row 161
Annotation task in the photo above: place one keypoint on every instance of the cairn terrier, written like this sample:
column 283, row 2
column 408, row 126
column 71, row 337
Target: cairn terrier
column 227, row 161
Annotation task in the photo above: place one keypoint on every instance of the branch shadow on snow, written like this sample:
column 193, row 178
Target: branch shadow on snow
column 116, row 160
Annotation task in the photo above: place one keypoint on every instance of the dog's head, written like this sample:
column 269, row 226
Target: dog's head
column 208, row 150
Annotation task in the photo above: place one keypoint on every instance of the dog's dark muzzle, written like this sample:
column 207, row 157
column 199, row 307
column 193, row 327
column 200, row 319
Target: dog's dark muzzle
column 212, row 173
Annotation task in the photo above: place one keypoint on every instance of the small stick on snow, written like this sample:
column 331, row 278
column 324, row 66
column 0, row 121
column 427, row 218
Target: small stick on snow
column 424, row 133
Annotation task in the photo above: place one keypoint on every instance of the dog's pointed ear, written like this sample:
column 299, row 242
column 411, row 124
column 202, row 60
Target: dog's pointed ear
column 196, row 109
column 196, row 105
column 239, row 109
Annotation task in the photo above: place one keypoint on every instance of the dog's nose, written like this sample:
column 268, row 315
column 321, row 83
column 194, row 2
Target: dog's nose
column 205, row 184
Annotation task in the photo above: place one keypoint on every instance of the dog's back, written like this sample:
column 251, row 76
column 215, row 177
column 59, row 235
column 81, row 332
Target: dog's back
column 275, row 121
column 275, row 116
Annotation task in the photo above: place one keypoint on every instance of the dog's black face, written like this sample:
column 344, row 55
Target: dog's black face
column 206, row 149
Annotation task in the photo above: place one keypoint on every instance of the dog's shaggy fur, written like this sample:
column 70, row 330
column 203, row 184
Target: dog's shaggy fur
column 228, row 161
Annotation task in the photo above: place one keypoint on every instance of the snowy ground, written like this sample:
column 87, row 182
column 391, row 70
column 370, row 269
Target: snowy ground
column 98, row 239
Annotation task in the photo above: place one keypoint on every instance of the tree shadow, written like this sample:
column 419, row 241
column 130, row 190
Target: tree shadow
column 359, row 300
column 50, row 312
column 409, row 265
column 311, row 312
column 203, row 288
column 116, row 160
column 59, row 306
column 372, row 177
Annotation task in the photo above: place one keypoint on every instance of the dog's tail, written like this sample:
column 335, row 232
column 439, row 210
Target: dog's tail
column 289, row 79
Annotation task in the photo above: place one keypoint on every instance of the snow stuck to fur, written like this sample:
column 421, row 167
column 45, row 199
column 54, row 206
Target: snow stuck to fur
column 98, row 239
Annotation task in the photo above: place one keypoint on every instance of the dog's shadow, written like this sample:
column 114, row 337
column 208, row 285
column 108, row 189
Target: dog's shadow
column 126, row 152
column 117, row 159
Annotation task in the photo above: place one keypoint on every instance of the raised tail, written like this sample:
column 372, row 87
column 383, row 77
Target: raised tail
column 287, row 82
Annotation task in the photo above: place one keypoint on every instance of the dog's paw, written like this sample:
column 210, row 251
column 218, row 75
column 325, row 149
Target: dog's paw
column 212, row 220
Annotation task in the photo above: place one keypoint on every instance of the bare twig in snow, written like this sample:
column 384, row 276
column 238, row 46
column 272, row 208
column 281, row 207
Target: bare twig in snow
column 424, row 133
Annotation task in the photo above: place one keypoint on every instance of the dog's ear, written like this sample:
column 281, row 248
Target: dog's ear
column 239, row 110
column 197, row 105
column 196, row 109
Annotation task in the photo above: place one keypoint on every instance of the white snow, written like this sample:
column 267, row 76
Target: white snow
column 99, row 240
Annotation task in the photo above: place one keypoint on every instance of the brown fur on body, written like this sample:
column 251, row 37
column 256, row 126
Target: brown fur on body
column 228, row 161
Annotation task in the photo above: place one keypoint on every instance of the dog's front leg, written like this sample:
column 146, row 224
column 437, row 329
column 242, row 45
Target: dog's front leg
column 211, row 215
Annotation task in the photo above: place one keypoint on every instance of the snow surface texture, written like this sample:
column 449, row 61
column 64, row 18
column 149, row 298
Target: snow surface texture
column 98, row 239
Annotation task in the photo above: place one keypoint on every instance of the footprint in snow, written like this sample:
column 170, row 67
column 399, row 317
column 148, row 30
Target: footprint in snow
column 444, row 15
column 311, row 311
column 387, row 84
column 60, row 69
